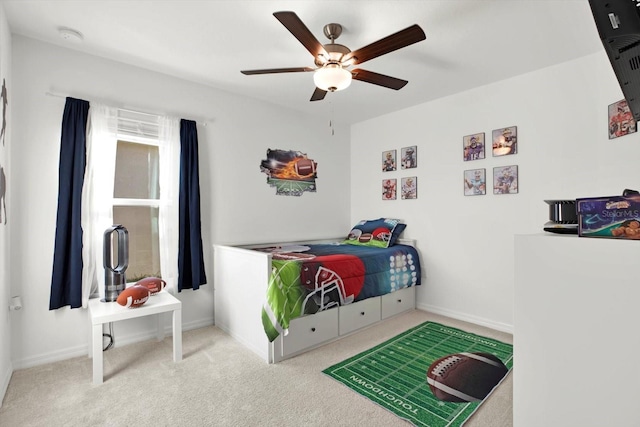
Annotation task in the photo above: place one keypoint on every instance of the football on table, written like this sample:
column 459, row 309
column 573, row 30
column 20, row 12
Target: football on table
column 134, row 296
column 465, row 377
column 154, row 284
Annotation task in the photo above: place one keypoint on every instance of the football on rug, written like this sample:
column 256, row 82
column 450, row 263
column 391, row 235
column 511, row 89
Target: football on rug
column 465, row 377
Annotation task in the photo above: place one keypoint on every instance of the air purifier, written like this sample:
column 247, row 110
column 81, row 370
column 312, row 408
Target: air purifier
column 114, row 275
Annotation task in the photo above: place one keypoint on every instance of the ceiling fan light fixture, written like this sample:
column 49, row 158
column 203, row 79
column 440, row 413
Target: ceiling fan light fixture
column 332, row 78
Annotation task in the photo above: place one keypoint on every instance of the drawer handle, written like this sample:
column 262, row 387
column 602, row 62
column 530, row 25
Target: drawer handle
column 313, row 329
column 362, row 313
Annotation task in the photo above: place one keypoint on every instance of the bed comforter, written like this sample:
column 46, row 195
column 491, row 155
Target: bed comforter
column 313, row 278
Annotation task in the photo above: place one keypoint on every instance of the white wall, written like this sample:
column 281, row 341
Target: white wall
column 5, row 265
column 237, row 204
column 466, row 242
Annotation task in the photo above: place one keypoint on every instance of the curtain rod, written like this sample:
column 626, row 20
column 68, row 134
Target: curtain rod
column 128, row 110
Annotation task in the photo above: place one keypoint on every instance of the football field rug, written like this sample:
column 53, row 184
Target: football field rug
column 431, row 375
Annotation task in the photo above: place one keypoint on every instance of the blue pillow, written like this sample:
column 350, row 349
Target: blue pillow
column 380, row 233
column 396, row 233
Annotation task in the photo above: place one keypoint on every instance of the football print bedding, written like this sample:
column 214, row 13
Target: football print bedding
column 312, row 278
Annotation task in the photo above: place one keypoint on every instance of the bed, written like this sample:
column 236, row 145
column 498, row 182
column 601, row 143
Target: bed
column 283, row 299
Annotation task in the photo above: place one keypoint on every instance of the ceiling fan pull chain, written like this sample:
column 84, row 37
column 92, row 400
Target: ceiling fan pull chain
column 331, row 120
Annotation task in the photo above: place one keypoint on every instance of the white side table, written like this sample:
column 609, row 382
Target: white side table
column 106, row 312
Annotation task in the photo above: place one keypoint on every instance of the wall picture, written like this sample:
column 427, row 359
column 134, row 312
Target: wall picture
column 290, row 172
column 505, row 180
column 3, row 176
column 505, row 141
column 621, row 120
column 388, row 161
column 389, row 188
column 475, row 182
column 409, row 187
column 409, row 157
column 473, row 147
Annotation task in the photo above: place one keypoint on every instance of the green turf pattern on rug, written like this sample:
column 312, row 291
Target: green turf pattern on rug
column 393, row 374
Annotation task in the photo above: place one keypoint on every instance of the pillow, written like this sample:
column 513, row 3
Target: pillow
column 379, row 233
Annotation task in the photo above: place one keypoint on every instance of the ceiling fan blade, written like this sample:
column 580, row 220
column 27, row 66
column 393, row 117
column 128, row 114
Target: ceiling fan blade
column 318, row 95
column 378, row 79
column 403, row 38
column 277, row 70
column 300, row 31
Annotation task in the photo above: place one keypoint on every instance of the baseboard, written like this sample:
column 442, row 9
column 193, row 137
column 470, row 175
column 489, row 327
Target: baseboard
column 83, row 350
column 481, row 321
column 4, row 384
column 50, row 357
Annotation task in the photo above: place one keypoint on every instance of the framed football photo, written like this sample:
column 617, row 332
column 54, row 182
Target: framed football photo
column 475, row 183
column 409, row 187
column 473, row 147
column 389, row 189
column 621, row 120
column 505, row 180
column 505, row 141
column 409, row 157
column 388, row 161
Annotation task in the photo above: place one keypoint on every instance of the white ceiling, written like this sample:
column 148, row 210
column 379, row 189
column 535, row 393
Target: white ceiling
column 469, row 43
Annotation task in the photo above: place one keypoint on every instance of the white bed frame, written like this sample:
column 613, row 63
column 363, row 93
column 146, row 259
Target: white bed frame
column 239, row 299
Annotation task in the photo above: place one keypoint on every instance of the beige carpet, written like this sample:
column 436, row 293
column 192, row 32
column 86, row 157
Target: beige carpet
column 219, row 383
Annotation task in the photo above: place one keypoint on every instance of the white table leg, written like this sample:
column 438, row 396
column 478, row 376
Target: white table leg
column 98, row 369
column 90, row 346
column 177, row 335
column 160, row 331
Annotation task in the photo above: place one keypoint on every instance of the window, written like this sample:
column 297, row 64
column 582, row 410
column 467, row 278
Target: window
column 136, row 192
column 131, row 178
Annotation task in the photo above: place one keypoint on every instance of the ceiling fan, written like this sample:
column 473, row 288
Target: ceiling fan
column 332, row 60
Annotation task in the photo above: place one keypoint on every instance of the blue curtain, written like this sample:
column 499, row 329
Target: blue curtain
column 191, row 272
column 66, row 280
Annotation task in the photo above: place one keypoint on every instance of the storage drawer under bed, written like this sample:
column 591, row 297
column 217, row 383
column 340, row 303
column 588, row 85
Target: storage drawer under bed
column 359, row 314
column 308, row 331
column 399, row 301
